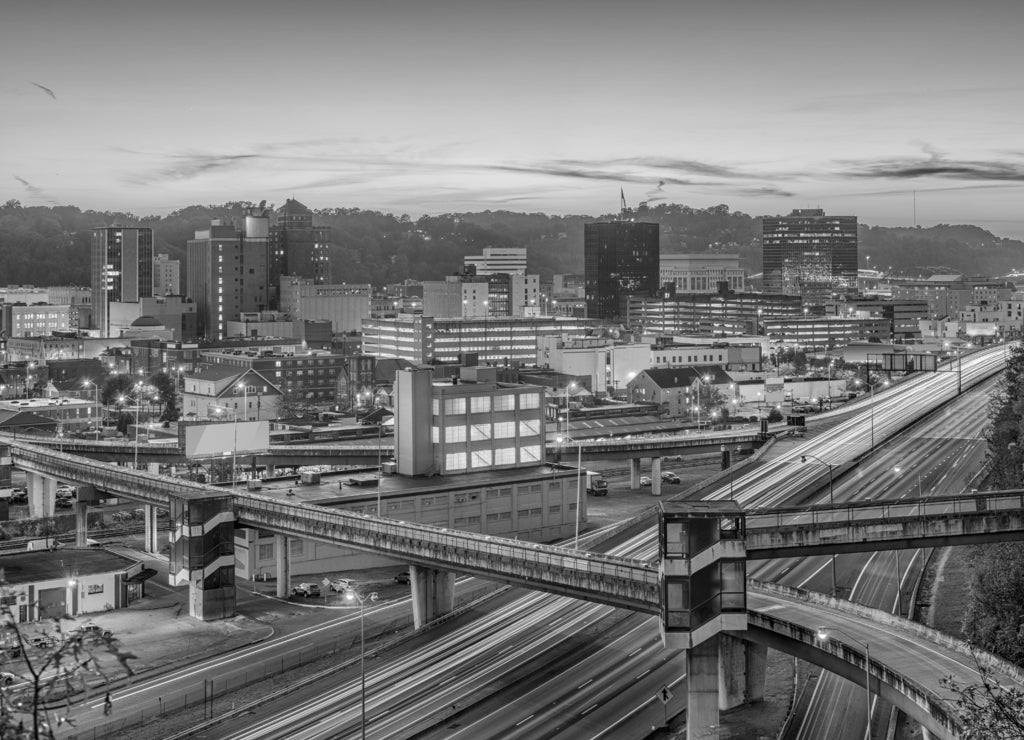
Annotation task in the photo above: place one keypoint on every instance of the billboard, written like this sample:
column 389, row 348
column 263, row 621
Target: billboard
column 218, row 438
column 909, row 363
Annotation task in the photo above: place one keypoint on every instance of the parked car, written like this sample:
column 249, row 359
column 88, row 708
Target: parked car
column 645, row 480
column 90, row 630
column 403, row 577
column 40, row 641
column 341, row 585
column 308, row 590
column 19, row 496
column 66, row 492
column 669, row 477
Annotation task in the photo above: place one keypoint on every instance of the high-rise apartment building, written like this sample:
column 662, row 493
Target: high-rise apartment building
column 297, row 247
column 228, row 273
column 166, row 275
column 621, row 258
column 122, row 269
column 810, row 254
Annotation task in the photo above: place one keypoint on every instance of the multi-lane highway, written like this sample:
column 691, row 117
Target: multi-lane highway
column 447, row 682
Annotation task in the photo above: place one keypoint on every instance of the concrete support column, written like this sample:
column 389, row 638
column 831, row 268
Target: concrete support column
column 656, row 476
column 741, row 671
column 150, row 543
column 282, row 560
column 42, row 495
column 271, row 470
column 433, row 593
column 81, row 524
column 202, row 554
column 702, row 691
column 634, row 472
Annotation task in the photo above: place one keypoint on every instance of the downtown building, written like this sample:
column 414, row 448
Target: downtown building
column 228, row 272
column 122, row 269
column 621, row 258
column 718, row 314
column 702, row 273
column 810, row 254
column 297, row 248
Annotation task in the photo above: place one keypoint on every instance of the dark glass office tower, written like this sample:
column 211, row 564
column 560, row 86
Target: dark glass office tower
column 808, row 253
column 620, row 258
column 298, row 248
column 122, row 269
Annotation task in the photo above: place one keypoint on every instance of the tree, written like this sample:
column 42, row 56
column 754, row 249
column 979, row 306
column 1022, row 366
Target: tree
column 116, row 386
column 987, row 710
column 294, row 404
column 51, row 669
column 166, row 389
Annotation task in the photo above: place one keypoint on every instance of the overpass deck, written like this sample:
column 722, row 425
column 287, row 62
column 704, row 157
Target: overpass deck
column 965, row 519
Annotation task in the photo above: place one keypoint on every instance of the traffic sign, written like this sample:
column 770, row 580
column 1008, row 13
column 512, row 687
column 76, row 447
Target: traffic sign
column 664, row 694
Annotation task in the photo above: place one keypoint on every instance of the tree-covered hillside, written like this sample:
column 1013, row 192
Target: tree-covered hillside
column 47, row 246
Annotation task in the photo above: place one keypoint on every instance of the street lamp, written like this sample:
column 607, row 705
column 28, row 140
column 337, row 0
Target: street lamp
column 96, row 388
column 570, row 387
column 823, row 635
column 351, row 594
column 831, row 503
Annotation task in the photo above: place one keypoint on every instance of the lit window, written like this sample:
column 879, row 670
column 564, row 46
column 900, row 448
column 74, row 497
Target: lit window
column 456, row 433
column 455, row 406
column 505, row 456
column 504, row 403
column 482, row 459
column 455, row 461
column 480, row 431
column 529, row 401
column 529, row 428
column 530, row 453
column 504, row 429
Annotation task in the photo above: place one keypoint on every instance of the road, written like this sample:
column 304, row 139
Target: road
column 442, row 688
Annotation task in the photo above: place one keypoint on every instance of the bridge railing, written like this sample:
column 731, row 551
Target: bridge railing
column 259, row 509
column 937, row 506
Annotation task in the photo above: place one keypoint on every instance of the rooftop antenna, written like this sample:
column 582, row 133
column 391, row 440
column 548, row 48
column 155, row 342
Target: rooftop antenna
column 915, row 209
column 622, row 202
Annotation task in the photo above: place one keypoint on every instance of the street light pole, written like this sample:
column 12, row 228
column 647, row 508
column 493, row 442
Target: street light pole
column 579, row 472
column 351, row 594
column 823, row 635
column 831, row 503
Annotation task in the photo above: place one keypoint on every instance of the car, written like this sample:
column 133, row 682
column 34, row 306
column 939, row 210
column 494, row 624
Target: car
column 90, row 630
column 341, row 585
column 63, row 503
column 308, row 590
column 66, row 492
column 19, row 496
column 7, row 678
column 403, row 577
column 645, row 481
column 40, row 641
column 669, row 477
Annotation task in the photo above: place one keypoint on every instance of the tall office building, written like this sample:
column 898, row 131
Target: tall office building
column 122, row 269
column 228, row 273
column 620, row 258
column 511, row 260
column 810, row 254
column 166, row 275
column 297, row 247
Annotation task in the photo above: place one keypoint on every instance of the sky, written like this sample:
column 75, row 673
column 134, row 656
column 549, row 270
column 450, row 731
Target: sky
column 898, row 112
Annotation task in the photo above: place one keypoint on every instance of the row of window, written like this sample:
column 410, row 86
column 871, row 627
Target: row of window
column 483, row 404
column 487, row 458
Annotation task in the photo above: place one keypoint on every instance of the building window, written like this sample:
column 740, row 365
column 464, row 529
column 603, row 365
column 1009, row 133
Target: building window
column 295, row 545
column 529, row 428
column 481, row 458
column 505, row 456
column 455, row 433
column 455, row 406
column 530, row 453
column 435, row 434
column 437, row 406
column 480, row 431
column 267, row 551
column 504, row 429
column 556, row 509
column 455, row 461
column 529, row 401
column 506, row 402
column 480, row 404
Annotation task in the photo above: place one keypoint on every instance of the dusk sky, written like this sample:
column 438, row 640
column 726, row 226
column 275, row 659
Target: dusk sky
column 449, row 105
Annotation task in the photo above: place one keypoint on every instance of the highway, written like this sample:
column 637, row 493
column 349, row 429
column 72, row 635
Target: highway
column 435, row 686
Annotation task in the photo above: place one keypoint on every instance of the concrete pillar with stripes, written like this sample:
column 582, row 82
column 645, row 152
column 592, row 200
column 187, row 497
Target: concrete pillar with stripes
column 202, row 553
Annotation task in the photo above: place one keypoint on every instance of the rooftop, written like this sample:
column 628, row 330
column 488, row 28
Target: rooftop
column 45, row 565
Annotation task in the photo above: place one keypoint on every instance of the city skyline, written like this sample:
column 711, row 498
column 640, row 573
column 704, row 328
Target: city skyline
column 892, row 112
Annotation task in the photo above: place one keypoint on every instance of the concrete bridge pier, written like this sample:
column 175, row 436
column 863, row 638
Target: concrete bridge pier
column 741, row 671
column 42, row 495
column 284, row 567
column 433, row 593
column 81, row 524
column 150, row 542
column 655, row 476
column 702, row 690
column 634, row 472
column 203, row 554
column 271, row 471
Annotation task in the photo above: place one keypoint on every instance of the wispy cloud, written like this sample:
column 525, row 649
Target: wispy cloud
column 35, row 191
column 936, row 164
